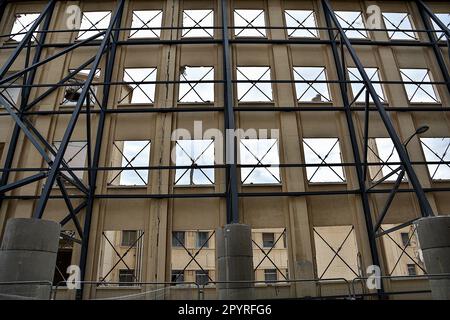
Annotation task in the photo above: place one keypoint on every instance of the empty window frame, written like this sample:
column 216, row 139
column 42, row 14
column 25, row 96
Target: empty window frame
column 351, row 22
column 178, row 238
column 9, row 93
column 146, row 24
column 136, row 91
column 309, row 90
column 72, row 92
column 195, row 89
column 437, row 150
column 194, row 153
column 202, row 239
column 412, row 271
column 92, row 23
column 119, row 263
column 301, row 24
column 398, row 25
column 251, row 89
column 325, row 152
column 402, row 249
column 268, row 239
column 198, row 24
column 63, row 257
column 75, row 155
column 130, row 154
column 270, row 275
column 22, row 24
column 259, row 152
column 129, row 238
column 445, row 19
column 249, row 23
column 382, row 151
column 359, row 89
column 201, row 277
column 418, row 87
column 336, row 252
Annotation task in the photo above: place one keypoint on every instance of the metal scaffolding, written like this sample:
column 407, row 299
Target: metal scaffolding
column 106, row 43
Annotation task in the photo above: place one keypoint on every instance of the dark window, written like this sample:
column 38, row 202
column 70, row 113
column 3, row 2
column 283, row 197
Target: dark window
column 285, row 239
column 268, row 240
column 201, row 277
column 178, row 238
column 270, row 275
column 405, row 238
column 202, row 239
column 63, row 260
column 126, row 275
column 412, row 270
column 177, row 276
column 129, row 238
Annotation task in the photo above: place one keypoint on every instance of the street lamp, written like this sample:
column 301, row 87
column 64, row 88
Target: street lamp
column 419, row 130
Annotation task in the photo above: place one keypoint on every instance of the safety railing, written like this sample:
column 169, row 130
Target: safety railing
column 25, row 290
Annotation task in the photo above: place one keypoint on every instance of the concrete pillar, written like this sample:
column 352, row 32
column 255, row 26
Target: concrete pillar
column 235, row 261
column 434, row 238
column 28, row 253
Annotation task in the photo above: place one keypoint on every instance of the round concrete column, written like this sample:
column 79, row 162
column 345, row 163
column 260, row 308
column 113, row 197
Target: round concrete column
column 434, row 238
column 235, row 261
column 28, row 253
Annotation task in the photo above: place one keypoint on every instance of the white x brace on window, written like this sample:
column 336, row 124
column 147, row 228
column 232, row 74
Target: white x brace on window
column 198, row 23
column 301, row 23
column 437, row 150
column 145, row 22
column 196, row 91
column 311, row 91
column 194, row 153
column 259, row 152
column 445, row 19
column 252, row 90
column 92, row 23
column 323, row 151
column 359, row 90
column 23, row 23
column 130, row 154
column 247, row 21
column 138, row 92
column 352, row 20
column 401, row 23
column 419, row 91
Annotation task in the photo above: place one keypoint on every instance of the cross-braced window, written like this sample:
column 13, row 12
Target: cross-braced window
column 382, row 151
column 445, row 19
column 197, row 90
column 75, row 155
column 359, row 89
column 136, row 92
column 198, row 23
column 252, row 90
column 72, row 93
column 336, row 252
column 92, row 23
column 311, row 91
column 262, row 153
column 146, row 24
column 351, row 21
column 9, row 93
column 194, row 153
column 270, row 256
column 437, row 150
column 119, row 262
column 400, row 23
column 325, row 152
column 301, row 23
column 416, row 86
column 22, row 24
column 128, row 155
column 193, row 257
column 400, row 254
column 249, row 23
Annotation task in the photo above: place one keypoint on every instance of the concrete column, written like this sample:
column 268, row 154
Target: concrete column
column 434, row 238
column 28, row 253
column 235, row 261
